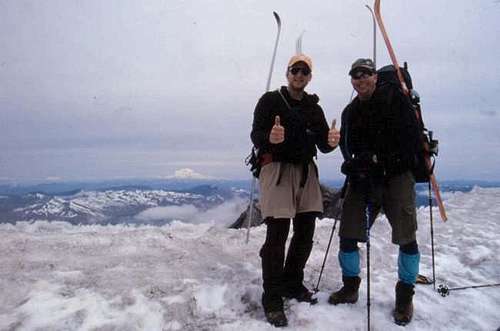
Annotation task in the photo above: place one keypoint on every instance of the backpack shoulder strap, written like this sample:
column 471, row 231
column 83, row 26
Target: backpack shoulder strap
column 284, row 99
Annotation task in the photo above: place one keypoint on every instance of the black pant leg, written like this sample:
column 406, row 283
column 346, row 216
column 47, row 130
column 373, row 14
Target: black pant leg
column 299, row 250
column 273, row 256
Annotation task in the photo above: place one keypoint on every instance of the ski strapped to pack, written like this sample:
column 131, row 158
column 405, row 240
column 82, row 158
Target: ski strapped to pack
column 421, row 279
column 406, row 91
column 254, row 153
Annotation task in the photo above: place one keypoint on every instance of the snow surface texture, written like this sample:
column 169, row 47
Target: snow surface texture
column 55, row 276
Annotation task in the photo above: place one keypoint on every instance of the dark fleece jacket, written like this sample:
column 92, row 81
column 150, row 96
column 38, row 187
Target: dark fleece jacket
column 305, row 127
column 385, row 126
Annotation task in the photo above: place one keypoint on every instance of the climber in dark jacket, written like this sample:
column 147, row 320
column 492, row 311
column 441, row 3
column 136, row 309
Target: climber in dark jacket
column 379, row 138
column 288, row 125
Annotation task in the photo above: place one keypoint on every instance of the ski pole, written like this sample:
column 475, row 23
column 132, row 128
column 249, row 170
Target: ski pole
column 268, row 85
column 316, row 289
column 445, row 290
column 374, row 45
column 338, row 207
column 369, row 215
column 368, row 303
column 250, row 211
column 374, row 36
column 432, row 238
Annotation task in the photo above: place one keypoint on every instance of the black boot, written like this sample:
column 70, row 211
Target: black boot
column 301, row 294
column 273, row 308
column 296, row 259
column 348, row 293
column 403, row 312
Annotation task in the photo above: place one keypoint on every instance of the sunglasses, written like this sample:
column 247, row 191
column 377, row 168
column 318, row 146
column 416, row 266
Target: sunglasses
column 361, row 74
column 295, row 70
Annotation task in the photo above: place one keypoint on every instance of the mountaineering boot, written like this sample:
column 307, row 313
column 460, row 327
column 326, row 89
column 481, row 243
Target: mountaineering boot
column 348, row 293
column 277, row 318
column 403, row 312
column 273, row 308
column 301, row 294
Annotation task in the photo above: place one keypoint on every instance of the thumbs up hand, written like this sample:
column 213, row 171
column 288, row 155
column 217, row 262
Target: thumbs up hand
column 277, row 134
column 333, row 135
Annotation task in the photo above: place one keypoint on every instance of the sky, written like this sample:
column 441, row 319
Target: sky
column 132, row 89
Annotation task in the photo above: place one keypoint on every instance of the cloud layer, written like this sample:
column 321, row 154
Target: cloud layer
column 223, row 214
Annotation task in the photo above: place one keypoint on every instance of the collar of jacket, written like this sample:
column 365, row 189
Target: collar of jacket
column 309, row 98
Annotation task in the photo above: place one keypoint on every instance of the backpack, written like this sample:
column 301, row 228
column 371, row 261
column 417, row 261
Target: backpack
column 253, row 161
column 427, row 147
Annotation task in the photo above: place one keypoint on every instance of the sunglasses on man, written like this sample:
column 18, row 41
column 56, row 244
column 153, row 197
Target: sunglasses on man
column 295, row 70
column 362, row 74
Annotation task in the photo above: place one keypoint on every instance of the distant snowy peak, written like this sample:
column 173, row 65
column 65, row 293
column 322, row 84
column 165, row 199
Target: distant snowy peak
column 187, row 173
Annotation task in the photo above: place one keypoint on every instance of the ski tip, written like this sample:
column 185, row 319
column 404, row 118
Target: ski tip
column 442, row 213
column 277, row 17
column 444, row 217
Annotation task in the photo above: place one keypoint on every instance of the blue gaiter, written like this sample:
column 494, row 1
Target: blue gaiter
column 349, row 262
column 408, row 267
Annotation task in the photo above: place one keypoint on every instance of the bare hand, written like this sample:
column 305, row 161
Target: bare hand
column 277, row 135
column 333, row 135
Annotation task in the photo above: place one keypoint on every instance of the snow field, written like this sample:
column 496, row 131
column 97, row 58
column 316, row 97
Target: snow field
column 55, row 276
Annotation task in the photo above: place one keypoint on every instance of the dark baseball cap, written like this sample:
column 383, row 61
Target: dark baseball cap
column 362, row 64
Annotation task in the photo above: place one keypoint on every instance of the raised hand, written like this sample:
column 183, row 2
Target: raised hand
column 333, row 135
column 277, row 135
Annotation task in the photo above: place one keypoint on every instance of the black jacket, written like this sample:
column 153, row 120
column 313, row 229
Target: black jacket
column 305, row 127
column 385, row 126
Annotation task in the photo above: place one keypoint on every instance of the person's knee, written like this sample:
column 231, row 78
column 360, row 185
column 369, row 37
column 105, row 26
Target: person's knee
column 308, row 216
column 303, row 227
column 305, row 221
column 348, row 245
column 277, row 231
column 410, row 248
